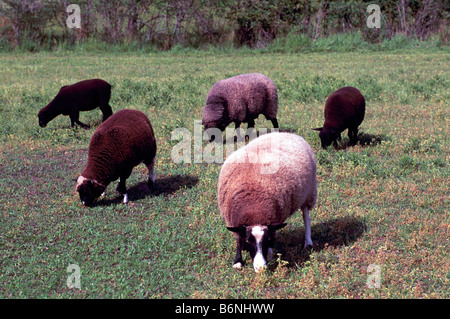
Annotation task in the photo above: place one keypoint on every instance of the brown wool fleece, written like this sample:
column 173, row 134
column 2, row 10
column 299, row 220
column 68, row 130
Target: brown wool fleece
column 123, row 141
column 344, row 109
column 240, row 99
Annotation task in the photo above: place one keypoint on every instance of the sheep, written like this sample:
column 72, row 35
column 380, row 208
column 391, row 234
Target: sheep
column 120, row 143
column 240, row 99
column 82, row 96
column 344, row 108
column 260, row 185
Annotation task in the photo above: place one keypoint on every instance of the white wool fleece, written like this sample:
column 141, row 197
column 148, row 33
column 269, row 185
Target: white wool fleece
column 266, row 181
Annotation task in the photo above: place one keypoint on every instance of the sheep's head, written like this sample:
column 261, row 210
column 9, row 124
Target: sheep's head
column 213, row 129
column 327, row 136
column 89, row 190
column 258, row 240
column 214, row 117
column 42, row 120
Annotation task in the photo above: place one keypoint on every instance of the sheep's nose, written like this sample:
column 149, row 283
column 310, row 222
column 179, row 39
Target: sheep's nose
column 259, row 263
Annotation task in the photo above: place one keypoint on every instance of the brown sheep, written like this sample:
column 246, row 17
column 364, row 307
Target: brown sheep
column 241, row 99
column 344, row 109
column 120, row 143
column 81, row 96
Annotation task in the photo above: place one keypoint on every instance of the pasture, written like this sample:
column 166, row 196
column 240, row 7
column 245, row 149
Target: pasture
column 383, row 205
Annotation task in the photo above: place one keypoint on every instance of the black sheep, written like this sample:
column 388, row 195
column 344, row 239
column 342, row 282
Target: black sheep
column 82, row 96
column 120, row 143
column 344, row 109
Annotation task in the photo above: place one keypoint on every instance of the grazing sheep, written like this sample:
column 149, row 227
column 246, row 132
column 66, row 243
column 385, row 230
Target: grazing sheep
column 120, row 143
column 344, row 108
column 81, row 96
column 262, row 184
column 241, row 99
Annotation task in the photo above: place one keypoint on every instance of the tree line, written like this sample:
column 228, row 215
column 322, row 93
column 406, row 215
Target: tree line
column 197, row 23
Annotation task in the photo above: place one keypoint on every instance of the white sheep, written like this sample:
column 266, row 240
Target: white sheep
column 262, row 184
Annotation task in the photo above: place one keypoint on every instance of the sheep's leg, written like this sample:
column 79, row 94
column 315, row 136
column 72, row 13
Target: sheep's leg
column 269, row 254
column 352, row 135
column 237, row 128
column 151, row 173
column 238, row 262
column 274, row 123
column 82, row 124
column 106, row 111
column 122, row 189
column 307, row 221
column 250, row 129
column 74, row 118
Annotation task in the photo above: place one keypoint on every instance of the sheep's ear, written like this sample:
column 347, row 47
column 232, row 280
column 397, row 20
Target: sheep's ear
column 275, row 227
column 240, row 229
column 317, row 129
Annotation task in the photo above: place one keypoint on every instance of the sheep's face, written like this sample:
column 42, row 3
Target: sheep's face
column 327, row 137
column 42, row 121
column 258, row 241
column 89, row 190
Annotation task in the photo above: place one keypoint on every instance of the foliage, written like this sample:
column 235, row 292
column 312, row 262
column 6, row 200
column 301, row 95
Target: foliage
column 199, row 23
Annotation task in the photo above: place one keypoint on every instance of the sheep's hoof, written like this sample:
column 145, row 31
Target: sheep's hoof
column 260, row 268
column 237, row 266
column 125, row 198
column 308, row 247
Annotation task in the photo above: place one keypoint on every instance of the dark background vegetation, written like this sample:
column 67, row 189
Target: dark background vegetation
column 382, row 202
column 33, row 25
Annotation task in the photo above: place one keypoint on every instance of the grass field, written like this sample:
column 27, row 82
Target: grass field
column 383, row 203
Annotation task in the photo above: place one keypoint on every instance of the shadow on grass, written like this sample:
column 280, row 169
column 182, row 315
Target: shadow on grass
column 364, row 140
column 164, row 186
column 288, row 130
column 335, row 232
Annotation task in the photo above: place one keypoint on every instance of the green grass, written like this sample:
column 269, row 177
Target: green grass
column 383, row 201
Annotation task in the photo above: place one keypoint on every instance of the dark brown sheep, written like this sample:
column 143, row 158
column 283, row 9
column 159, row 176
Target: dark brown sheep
column 344, row 109
column 241, row 99
column 120, row 143
column 81, row 96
